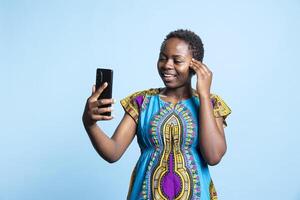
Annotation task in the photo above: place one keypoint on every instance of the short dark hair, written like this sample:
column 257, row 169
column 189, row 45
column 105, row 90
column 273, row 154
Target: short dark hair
column 191, row 38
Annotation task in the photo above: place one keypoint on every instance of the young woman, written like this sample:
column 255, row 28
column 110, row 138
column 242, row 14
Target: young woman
column 180, row 130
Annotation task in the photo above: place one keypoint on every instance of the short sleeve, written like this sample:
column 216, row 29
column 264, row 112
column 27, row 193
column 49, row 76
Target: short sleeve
column 220, row 108
column 132, row 104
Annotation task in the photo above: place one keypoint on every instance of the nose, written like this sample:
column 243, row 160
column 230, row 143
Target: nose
column 168, row 64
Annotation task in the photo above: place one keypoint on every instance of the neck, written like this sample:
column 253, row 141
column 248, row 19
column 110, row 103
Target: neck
column 179, row 93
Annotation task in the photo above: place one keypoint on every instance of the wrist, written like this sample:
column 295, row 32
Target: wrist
column 91, row 128
column 204, row 95
column 88, row 124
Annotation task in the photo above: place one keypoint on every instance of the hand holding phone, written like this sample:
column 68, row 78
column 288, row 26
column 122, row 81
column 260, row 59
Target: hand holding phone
column 98, row 105
column 102, row 76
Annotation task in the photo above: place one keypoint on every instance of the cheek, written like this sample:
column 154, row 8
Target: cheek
column 183, row 69
column 159, row 64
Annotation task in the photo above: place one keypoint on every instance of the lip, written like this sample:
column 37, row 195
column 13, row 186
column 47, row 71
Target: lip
column 166, row 73
column 168, row 76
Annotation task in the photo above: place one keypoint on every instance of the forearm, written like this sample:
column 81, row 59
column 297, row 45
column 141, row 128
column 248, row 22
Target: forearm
column 105, row 146
column 212, row 141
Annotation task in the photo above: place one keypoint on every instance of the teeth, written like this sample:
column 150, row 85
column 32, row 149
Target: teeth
column 168, row 75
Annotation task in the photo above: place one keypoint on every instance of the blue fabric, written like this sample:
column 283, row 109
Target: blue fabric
column 153, row 113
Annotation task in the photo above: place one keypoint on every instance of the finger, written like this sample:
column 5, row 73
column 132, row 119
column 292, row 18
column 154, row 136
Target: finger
column 100, row 111
column 196, row 62
column 206, row 68
column 101, row 117
column 197, row 68
column 93, row 89
column 202, row 65
column 94, row 110
column 202, row 68
column 102, row 102
column 104, row 110
column 203, row 72
column 200, row 73
column 98, row 92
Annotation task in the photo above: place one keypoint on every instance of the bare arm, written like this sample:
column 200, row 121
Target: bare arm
column 110, row 149
column 211, row 132
column 212, row 137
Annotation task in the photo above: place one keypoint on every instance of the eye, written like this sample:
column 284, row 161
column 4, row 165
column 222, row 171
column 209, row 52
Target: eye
column 162, row 58
column 178, row 61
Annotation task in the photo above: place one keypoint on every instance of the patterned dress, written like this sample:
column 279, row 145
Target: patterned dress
column 170, row 165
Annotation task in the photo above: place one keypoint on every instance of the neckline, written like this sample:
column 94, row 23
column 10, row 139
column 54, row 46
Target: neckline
column 171, row 103
column 178, row 102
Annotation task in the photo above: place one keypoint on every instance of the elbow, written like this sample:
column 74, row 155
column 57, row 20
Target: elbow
column 109, row 159
column 215, row 159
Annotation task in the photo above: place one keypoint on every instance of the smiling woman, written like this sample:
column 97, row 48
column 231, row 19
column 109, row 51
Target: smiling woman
column 173, row 63
column 180, row 130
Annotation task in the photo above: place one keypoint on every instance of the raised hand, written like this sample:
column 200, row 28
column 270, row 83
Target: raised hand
column 204, row 77
column 92, row 112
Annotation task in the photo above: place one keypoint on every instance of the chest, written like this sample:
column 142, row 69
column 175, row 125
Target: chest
column 163, row 124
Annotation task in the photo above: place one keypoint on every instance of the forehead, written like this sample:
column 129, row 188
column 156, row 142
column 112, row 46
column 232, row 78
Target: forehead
column 176, row 46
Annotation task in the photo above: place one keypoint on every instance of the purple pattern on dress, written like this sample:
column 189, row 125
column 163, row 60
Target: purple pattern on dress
column 139, row 100
column 171, row 182
column 213, row 102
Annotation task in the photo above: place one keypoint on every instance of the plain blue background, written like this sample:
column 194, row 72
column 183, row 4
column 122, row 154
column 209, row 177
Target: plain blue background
column 49, row 54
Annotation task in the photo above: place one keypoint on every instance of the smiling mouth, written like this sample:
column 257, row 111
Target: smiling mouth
column 168, row 77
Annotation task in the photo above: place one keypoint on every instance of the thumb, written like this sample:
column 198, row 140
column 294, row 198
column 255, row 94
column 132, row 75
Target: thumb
column 93, row 89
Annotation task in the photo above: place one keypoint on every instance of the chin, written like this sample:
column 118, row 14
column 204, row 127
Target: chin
column 168, row 84
column 172, row 85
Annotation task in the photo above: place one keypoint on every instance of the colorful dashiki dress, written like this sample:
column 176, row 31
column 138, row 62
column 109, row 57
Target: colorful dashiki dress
column 170, row 165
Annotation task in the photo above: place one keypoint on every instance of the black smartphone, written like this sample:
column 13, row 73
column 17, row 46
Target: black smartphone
column 102, row 76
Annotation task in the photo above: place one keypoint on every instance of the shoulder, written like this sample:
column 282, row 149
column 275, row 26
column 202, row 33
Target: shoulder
column 133, row 102
column 217, row 101
column 139, row 95
column 220, row 107
column 151, row 91
column 213, row 97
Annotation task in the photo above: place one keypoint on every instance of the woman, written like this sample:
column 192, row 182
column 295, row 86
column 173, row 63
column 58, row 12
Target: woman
column 178, row 137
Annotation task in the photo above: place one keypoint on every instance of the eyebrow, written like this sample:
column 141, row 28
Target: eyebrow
column 176, row 56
